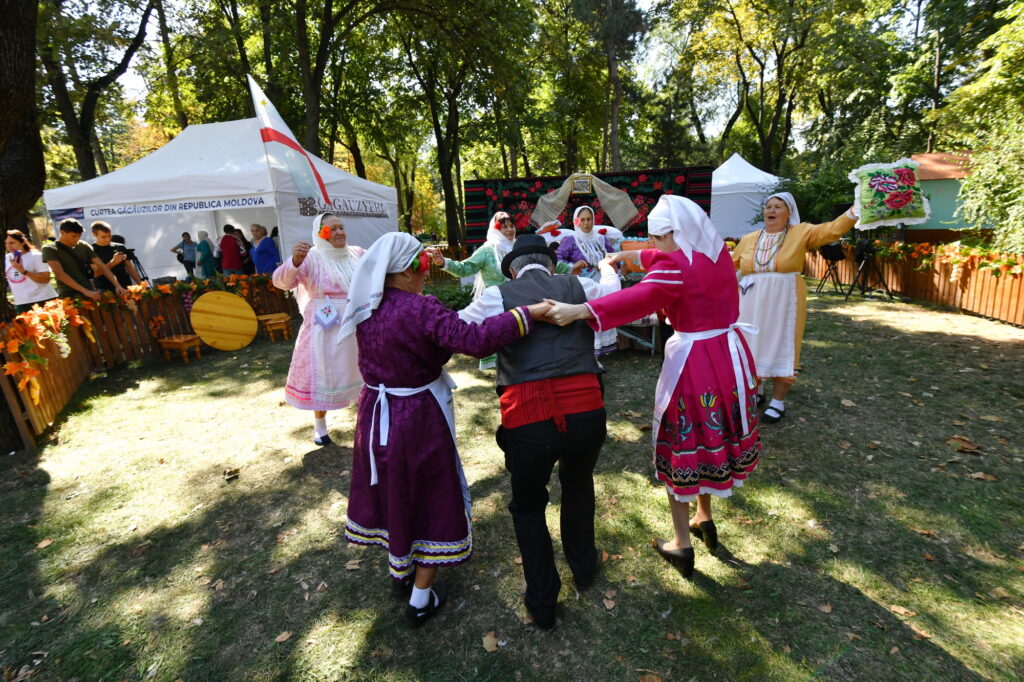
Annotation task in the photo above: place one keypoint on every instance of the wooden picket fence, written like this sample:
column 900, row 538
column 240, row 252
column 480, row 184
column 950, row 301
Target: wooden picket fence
column 976, row 290
column 121, row 335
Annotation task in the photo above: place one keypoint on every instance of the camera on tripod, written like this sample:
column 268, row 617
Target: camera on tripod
column 864, row 249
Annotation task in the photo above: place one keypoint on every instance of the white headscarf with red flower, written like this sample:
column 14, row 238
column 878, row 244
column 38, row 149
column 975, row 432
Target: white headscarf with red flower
column 334, row 263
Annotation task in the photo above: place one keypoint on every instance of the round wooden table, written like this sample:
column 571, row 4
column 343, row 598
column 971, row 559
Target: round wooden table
column 224, row 321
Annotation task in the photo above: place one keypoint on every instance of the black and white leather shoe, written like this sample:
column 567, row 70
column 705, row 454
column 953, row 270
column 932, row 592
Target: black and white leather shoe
column 322, row 440
column 772, row 414
column 415, row 617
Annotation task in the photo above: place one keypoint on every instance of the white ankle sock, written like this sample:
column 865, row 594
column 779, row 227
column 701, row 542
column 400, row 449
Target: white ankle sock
column 419, row 597
column 320, row 426
column 779, row 405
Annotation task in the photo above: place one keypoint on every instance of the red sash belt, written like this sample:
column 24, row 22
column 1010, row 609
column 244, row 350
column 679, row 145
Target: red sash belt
column 536, row 401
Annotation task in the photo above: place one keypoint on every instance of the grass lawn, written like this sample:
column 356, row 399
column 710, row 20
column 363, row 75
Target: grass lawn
column 869, row 545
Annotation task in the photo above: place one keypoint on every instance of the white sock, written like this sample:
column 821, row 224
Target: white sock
column 419, row 597
column 320, row 426
column 779, row 405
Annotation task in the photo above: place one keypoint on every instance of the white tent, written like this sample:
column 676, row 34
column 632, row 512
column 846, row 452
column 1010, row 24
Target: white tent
column 212, row 175
column 738, row 191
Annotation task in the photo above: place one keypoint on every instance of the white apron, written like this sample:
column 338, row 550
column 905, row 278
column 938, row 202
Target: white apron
column 768, row 302
column 335, row 365
column 677, row 350
column 441, row 389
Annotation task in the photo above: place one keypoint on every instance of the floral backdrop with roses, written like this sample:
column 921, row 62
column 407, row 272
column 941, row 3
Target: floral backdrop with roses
column 518, row 196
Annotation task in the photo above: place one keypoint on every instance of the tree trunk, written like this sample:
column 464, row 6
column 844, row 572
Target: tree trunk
column 352, row 144
column 97, row 152
column 410, row 193
column 169, row 65
column 616, row 101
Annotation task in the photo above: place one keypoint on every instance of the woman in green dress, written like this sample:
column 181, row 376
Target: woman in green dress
column 206, row 266
column 485, row 262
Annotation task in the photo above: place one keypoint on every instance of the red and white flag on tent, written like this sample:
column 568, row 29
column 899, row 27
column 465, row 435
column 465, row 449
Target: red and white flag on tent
column 291, row 154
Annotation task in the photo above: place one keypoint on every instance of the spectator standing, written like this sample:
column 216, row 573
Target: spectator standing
column 205, row 260
column 231, row 252
column 27, row 275
column 72, row 262
column 186, row 250
column 115, row 256
column 265, row 257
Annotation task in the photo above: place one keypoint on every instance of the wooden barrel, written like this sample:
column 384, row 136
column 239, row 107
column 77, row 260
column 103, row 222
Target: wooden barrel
column 224, row 321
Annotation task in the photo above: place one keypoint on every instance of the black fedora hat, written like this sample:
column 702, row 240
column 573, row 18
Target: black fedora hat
column 524, row 245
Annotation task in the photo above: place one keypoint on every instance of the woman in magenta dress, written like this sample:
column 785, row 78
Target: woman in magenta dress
column 408, row 492
column 323, row 374
column 705, row 417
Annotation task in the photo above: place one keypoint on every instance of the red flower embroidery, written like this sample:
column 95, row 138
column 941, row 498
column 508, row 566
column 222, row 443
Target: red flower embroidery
column 521, row 221
column 634, row 183
column 504, row 192
column 906, row 176
column 680, row 179
column 658, row 185
column 898, row 200
column 642, row 177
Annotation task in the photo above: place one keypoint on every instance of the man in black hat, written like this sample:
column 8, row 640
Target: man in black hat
column 552, row 410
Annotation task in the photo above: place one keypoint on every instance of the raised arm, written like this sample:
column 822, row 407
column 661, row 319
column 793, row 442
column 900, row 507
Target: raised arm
column 470, row 266
column 819, row 235
column 449, row 331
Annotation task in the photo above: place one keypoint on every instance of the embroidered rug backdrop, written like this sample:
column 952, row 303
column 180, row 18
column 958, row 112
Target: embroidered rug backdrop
column 518, row 197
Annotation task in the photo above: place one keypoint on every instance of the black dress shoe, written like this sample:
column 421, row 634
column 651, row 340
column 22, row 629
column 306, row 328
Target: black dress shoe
column 584, row 584
column 707, row 532
column 772, row 415
column 682, row 559
column 322, row 440
column 415, row 617
column 545, row 619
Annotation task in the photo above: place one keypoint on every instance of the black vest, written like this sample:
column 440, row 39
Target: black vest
column 549, row 350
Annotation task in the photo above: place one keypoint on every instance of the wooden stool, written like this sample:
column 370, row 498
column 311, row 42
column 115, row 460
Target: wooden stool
column 276, row 322
column 180, row 343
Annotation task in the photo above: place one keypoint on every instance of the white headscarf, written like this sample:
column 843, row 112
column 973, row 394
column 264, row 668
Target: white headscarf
column 591, row 243
column 495, row 239
column 204, row 236
column 394, row 252
column 334, row 264
column 552, row 231
column 794, row 212
column 689, row 224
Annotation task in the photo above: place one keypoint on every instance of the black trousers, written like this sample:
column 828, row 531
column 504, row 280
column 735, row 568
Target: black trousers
column 531, row 452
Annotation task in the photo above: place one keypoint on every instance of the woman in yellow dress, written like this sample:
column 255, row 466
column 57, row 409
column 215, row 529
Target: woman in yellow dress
column 773, row 296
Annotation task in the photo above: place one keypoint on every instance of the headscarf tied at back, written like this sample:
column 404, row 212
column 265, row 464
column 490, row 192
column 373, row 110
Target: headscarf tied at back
column 394, row 252
column 689, row 224
column 794, row 212
column 204, row 236
column 500, row 245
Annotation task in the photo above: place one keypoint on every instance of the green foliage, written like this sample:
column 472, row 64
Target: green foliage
column 450, row 292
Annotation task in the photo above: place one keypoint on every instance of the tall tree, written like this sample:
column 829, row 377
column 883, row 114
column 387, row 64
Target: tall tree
column 97, row 41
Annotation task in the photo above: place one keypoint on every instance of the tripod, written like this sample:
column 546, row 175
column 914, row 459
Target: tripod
column 134, row 260
column 833, row 254
column 867, row 268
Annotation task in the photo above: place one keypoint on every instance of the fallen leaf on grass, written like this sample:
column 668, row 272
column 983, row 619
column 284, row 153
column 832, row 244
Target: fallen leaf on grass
column 283, row 637
column 139, row 550
column 231, row 475
column 825, row 608
column 203, row 580
column 928, row 557
column 649, row 677
column 894, row 650
column 671, row 636
column 490, row 642
column 982, row 476
column 219, row 585
column 609, row 604
column 742, row 584
column 846, row 402
column 902, row 611
column 918, row 632
column 610, row 594
column 786, row 649
column 834, row 548
column 990, row 418
column 961, row 444
column 636, row 415
column 518, row 561
column 1001, row 593
column 43, row 544
column 873, row 445
column 645, row 427
column 925, row 531
column 604, row 556
column 353, row 564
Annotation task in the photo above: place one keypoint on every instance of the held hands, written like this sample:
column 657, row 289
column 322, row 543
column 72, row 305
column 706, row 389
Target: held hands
column 435, row 256
column 539, row 311
column 94, row 295
column 299, row 253
column 578, row 266
column 564, row 313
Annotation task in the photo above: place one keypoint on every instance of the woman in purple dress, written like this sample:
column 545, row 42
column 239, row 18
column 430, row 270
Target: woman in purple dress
column 408, row 492
column 586, row 247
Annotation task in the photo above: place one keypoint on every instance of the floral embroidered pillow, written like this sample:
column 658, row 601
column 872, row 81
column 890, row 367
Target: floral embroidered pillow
column 889, row 194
